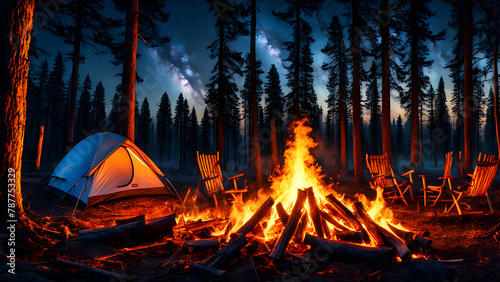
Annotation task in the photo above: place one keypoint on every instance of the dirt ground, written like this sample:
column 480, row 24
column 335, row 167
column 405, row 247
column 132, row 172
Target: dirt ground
column 463, row 238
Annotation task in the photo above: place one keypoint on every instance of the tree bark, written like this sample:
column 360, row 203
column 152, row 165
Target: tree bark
column 70, row 126
column 495, row 75
column 127, row 108
column 253, row 99
column 414, row 87
column 15, row 37
column 343, row 123
column 221, row 102
column 356, row 95
column 468, row 87
column 275, row 160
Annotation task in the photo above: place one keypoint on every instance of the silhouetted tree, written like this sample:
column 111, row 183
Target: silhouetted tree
column 399, row 135
column 489, row 126
column 144, row 126
column 373, row 106
column 308, row 100
column 193, row 136
column 114, row 114
column 180, row 126
column 99, row 108
column 206, row 132
column 163, row 126
column 273, row 112
column 443, row 124
column 84, row 125
column 432, row 120
column 57, row 103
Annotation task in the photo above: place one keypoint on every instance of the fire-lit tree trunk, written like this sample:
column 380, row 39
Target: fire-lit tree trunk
column 74, row 74
column 414, row 88
column 16, row 23
column 356, row 95
column 275, row 161
column 468, row 87
column 127, row 109
column 386, row 87
column 495, row 75
column 253, row 99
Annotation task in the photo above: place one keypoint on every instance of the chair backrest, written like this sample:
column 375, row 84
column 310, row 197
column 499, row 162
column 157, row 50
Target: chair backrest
column 448, row 160
column 379, row 165
column 210, row 169
column 483, row 177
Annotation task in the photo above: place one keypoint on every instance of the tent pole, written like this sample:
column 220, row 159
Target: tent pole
column 73, row 213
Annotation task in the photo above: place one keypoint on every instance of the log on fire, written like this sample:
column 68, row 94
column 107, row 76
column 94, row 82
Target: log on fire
column 300, row 231
column 314, row 212
column 112, row 232
column 348, row 216
column 282, row 214
column 349, row 249
column 349, row 236
column 256, row 217
column 328, row 217
column 161, row 225
column 380, row 233
column 227, row 254
column 290, row 227
column 200, row 245
column 411, row 238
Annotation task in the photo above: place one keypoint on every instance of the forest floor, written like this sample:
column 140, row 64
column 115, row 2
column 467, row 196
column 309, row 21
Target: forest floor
column 453, row 237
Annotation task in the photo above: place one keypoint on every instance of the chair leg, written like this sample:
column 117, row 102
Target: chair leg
column 438, row 196
column 216, row 204
column 455, row 203
column 489, row 203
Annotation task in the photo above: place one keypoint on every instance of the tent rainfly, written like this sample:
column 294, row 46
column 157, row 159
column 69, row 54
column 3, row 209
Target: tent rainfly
column 106, row 166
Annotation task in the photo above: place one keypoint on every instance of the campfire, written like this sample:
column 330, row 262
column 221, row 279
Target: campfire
column 301, row 213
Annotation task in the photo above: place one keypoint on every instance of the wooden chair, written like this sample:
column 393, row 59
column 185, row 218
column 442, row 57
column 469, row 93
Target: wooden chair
column 383, row 177
column 212, row 177
column 480, row 182
column 448, row 161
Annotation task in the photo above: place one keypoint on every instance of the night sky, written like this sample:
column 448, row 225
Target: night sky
column 184, row 65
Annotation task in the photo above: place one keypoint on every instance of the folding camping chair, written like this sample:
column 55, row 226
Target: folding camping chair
column 448, row 160
column 480, row 182
column 383, row 177
column 212, row 177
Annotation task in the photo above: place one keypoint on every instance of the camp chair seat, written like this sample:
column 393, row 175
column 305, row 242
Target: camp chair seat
column 479, row 185
column 446, row 180
column 212, row 178
column 383, row 177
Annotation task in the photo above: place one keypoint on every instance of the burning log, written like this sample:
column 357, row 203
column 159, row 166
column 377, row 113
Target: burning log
column 328, row 217
column 290, row 227
column 349, row 235
column 411, row 237
column 161, row 225
column 127, row 220
column 210, row 271
column 256, row 217
column 349, row 249
column 298, row 236
column 200, row 245
column 345, row 213
column 199, row 225
column 326, row 228
column 369, row 224
column 108, row 275
column 227, row 254
column 282, row 214
column 398, row 244
column 108, row 233
column 313, row 208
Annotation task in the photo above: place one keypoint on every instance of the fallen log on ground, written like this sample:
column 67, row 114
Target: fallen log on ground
column 127, row 220
column 198, row 225
column 290, row 227
column 314, row 212
column 200, row 245
column 95, row 271
column 350, row 249
column 227, row 254
column 256, row 217
column 161, row 225
column 112, row 232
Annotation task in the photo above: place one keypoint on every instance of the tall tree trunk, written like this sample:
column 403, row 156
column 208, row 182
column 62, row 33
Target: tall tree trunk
column 296, row 107
column 127, row 109
column 15, row 36
column 221, row 104
column 495, row 75
column 356, row 96
column 275, row 161
column 468, row 87
column 414, row 89
column 70, row 126
column 421, row 134
column 343, row 123
column 253, row 99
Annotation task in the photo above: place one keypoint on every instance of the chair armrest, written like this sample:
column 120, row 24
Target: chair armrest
column 406, row 173
column 236, row 176
column 470, row 175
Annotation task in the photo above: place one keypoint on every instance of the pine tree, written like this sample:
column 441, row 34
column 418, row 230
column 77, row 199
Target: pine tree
column 443, row 124
column 337, row 84
column 301, row 36
column 273, row 113
column 144, row 125
column 99, row 108
column 373, row 106
column 308, row 100
column 180, row 126
column 193, row 135
column 114, row 114
column 414, row 20
column 490, row 141
column 89, row 28
column 432, row 119
column 57, row 107
column 164, row 124
column 84, row 125
column 399, row 135
column 206, row 132
column 222, row 98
